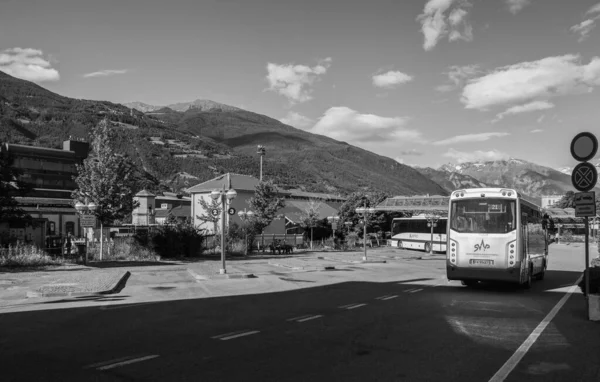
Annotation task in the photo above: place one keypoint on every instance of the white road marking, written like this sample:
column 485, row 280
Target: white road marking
column 310, row 318
column 109, row 362
column 239, row 335
column 389, row 297
column 415, row 291
column 345, row 306
column 381, row 297
column 227, row 334
column 298, row 318
column 514, row 360
column 130, row 361
column 355, row 306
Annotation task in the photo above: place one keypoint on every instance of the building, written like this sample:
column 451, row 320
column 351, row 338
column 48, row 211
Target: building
column 245, row 185
column 550, row 200
column 156, row 209
column 50, row 173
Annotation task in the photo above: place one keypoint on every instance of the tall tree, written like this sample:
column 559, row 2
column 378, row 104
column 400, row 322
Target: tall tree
column 310, row 217
column 347, row 211
column 265, row 203
column 107, row 179
column 11, row 186
column 207, row 216
column 567, row 201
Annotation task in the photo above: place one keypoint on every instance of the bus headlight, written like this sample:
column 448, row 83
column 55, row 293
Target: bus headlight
column 453, row 252
column 510, row 253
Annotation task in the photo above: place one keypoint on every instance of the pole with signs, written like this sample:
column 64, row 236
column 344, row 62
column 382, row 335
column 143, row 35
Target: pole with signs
column 584, row 178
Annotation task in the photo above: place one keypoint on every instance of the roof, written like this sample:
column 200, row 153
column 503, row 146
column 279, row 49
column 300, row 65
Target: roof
column 23, row 200
column 238, row 182
column 294, row 209
column 172, row 197
column 144, row 193
column 12, row 147
column 179, row 211
column 315, row 195
column 412, row 203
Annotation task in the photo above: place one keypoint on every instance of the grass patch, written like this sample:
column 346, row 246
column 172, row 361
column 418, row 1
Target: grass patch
column 26, row 256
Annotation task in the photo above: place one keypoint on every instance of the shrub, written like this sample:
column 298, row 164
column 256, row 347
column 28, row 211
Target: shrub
column 131, row 250
column 567, row 236
column 25, row 255
column 352, row 239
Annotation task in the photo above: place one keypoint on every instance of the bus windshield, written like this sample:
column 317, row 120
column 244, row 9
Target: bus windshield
column 483, row 216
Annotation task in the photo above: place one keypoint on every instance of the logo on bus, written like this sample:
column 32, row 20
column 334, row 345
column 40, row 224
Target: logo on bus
column 481, row 247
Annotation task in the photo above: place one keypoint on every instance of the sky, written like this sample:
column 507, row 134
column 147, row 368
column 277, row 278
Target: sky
column 422, row 82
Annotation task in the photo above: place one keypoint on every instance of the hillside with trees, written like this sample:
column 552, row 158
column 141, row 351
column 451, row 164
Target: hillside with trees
column 203, row 141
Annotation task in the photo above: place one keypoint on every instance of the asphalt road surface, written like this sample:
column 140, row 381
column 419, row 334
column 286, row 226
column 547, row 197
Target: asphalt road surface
column 400, row 321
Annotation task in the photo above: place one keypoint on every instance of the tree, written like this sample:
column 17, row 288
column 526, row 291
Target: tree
column 310, row 217
column 107, row 179
column 265, row 203
column 11, row 186
column 567, row 201
column 207, row 216
column 347, row 211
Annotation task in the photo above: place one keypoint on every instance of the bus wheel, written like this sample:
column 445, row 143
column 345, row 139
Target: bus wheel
column 427, row 247
column 400, row 244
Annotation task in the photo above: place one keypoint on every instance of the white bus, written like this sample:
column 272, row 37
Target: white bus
column 494, row 235
column 413, row 233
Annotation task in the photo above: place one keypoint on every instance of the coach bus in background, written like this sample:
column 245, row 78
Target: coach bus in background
column 495, row 235
column 413, row 233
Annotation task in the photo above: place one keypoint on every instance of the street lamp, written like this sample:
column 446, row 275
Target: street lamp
column 226, row 198
column 333, row 220
column 365, row 212
column 246, row 215
column 261, row 151
column 431, row 222
column 86, row 209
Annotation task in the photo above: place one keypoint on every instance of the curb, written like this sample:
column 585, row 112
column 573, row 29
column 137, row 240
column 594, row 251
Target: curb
column 369, row 261
column 117, row 287
column 220, row 276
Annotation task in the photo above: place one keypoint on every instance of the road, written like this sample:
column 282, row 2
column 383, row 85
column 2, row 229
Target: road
column 400, row 321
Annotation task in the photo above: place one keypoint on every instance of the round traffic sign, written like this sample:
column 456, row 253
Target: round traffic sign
column 214, row 212
column 231, row 211
column 584, row 177
column 584, row 146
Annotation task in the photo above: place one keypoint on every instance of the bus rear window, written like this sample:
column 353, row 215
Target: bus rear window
column 483, row 216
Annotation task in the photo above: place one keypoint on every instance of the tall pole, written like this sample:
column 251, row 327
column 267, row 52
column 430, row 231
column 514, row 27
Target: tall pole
column 223, row 197
column 587, row 266
column 261, row 167
column 431, row 246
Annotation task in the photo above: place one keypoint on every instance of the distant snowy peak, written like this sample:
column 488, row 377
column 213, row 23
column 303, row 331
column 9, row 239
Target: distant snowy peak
column 568, row 170
column 199, row 104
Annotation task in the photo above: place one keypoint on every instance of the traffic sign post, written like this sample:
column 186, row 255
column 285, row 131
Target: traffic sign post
column 584, row 178
column 88, row 221
column 231, row 211
column 214, row 212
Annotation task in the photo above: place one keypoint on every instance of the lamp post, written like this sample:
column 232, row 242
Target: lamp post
column 333, row 220
column 226, row 197
column 245, row 215
column 86, row 209
column 261, row 151
column 432, row 220
column 365, row 212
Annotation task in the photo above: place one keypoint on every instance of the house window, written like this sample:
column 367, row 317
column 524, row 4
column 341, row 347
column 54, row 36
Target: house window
column 164, row 205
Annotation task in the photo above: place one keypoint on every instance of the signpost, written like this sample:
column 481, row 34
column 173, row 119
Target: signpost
column 584, row 177
column 88, row 221
column 231, row 211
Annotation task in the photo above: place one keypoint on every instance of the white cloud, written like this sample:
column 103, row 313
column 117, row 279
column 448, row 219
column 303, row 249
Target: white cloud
column 470, row 138
column 105, row 73
column 345, row 124
column 528, row 81
column 297, row 120
column 531, row 106
column 435, row 24
column 541, row 118
column 514, row 6
column 411, row 152
column 476, row 156
column 295, row 81
column 27, row 64
column 391, row 79
column 585, row 27
column 537, row 131
column 457, row 75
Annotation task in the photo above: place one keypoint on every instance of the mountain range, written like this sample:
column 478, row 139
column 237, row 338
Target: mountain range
column 184, row 144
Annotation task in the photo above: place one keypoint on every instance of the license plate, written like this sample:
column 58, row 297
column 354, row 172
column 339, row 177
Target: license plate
column 481, row 262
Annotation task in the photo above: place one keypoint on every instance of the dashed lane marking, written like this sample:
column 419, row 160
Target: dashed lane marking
column 355, row 306
column 410, row 290
column 381, row 297
column 514, row 360
column 298, row 318
column 230, row 336
column 415, row 291
column 120, row 362
column 345, row 306
column 310, row 318
column 389, row 297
